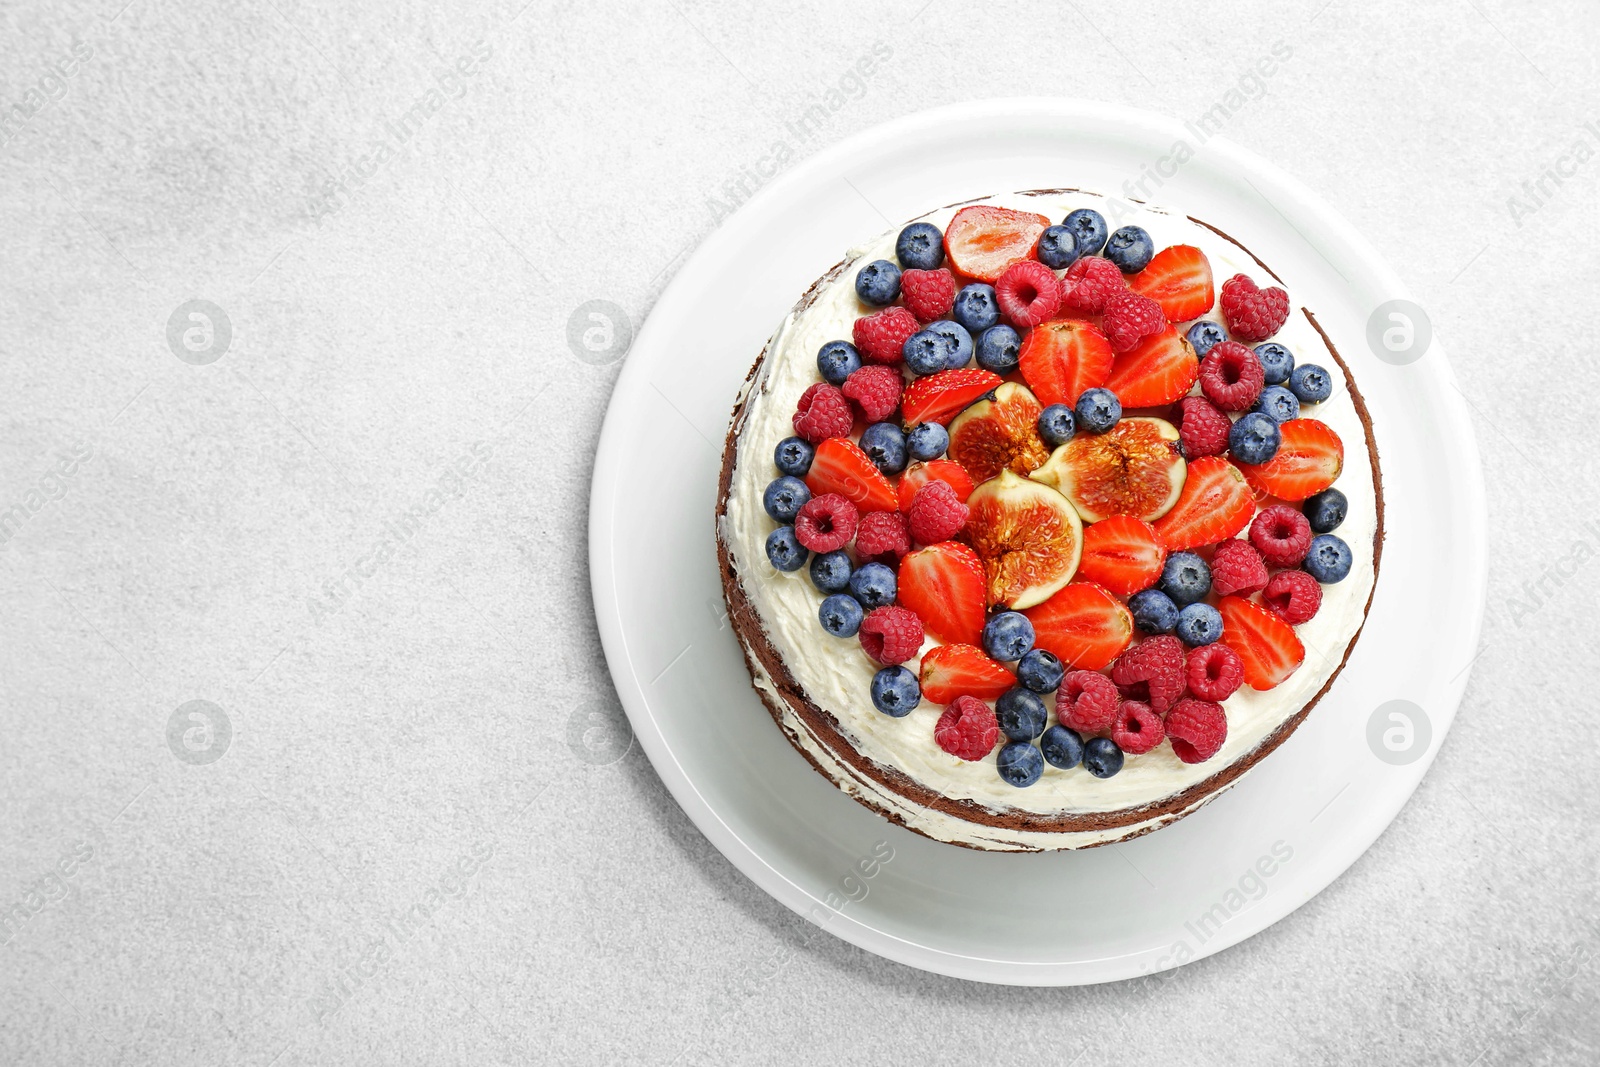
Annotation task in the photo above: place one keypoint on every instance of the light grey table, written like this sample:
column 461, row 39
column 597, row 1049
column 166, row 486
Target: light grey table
column 342, row 501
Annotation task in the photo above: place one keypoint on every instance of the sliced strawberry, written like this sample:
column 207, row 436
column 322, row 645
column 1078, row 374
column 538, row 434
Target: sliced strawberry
column 1122, row 554
column 983, row 240
column 1265, row 644
column 841, row 467
column 1085, row 626
column 1158, row 370
column 950, row 671
column 1062, row 358
column 941, row 397
column 1215, row 503
column 945, row 585
column 947, row 471
column 1179, row 279
column 1307, row 462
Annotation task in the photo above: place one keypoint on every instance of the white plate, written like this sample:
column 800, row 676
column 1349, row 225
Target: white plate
column 1240, row 864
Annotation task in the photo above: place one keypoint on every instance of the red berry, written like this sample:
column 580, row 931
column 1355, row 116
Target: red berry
column 1214, row 504
column 951, row 671
column 826, row 523
column 875, row 389
column 937, row 514
column 1231, row 376
column 941, row 397
column 1282, row 535
column 1152, row 672
column 1253, row 314
column 823, row 412
column 1295, row 595
column 928, row 294
column 1155, row 372
column 1267, row 646
column 1137, row 729
column 1087, row 284
column 967, row 729
column 1179, row 279
column 891, row 634
column 1029, row 293
column 1214, row 672
column 1204, row 428
column 841, row 467
column 882, row 534
column 1308, row 460
column 982, row 240
column 1129, row 319
column 880, row 335
column 1236, row 568
column 1087, row 702
column 1197, row 729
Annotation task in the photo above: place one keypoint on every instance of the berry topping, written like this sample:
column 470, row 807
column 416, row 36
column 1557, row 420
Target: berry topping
column 1215, row 504
column 944, row 585
column 784, row 497
column 1133, row 470
column 1087, row 284
column 1056, row 425
column 826, row 523
column 927, row 440
column 885, row 444
column 1236, row 567
column 983, row 240
column 1324, row 510
column 891, row 634
column 878, row 282
column 941, row 397
column 920, row 246
column 1278, row 403
column 1129, row 319
column 1101, row 757
column 785, row 551
column 957, row 343
column 1121, row 553
column 876, row 391
column 793, row 456
column 1153, row 672
column 937, row 514
column 1308, row 460
column 999, row 434
column 1087, row 702
column 1057, row 248
column 1020, row 764
column 1062, row 358
column 947, row 471
column 950, row 671
column 1268, row 648
column 1282, row 535
column 1136, row 728
column 1061, row 747
column 1179, row 279
column 1204, row 335
column 841, row 467
column 1329, row 559
column 830, row 571
column 1231, row 376
column 1203, row 429
column 895, row 691
column 1214, row 672
column 1254, row 438
column 1276, row 362
column 1185, row 578
column 873, row 584
column 1130, row 248
column 1199, row 624
column 882, row 536
column 1088, row 228
column 1295, row 595
column 1083, row 626
column 880, row 336
column 967, row 729
column 1097, row 410
column 976, row 307
column 1310, row 383
column 1008, row 636
column 840, row 615
column 1153, row 612
column 1253, row 314
column 1029, row 293
column 823, row 412
column 1156, row 371
column 928, row 293
column 999, row 349
column 925, row 352
column 1040, row 671
column 1197, row 729
column 836, row 361
column 1022, row 714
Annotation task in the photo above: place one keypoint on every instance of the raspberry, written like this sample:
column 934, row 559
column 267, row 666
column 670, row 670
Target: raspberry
column 826, row 523
column 1029, row 293
column 1151, row 672
column 1137, row 729
column 1130, row 318
column 1204, row 429
column 1231, row 376
column 876, row 389
column 891, row 634
column 1237, row 568
column 1253, row 314
column 937, row 514
column 823, row 412
column 1087, row 284
column 1087, row 702
column 928, row 293
column 880, row 335
column 1282, row 535
column 882, row 534
column 1197, row 729
column 1214, row 672
column 967, row 729
column 1294, row 595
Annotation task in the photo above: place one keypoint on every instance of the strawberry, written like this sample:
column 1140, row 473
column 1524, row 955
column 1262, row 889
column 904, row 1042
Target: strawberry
column 1308, row 460
column 950, row 671
column 1265, row 644
column 1179, row 279
column 1122, row 554
column 841, row 467
column 1215, row 504
column 1157, row 371
column 947, row 471
column 941, row 397
column 1083, row 625
column 983, row 240
column 1060, row 359
column 944, row 584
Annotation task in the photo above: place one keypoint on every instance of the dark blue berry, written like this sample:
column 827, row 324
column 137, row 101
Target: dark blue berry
column 1058, row 247
column 1325, row 510
column 878, row 282
column 958, row 343
column 1199, row 624
column 895, row 691
column 1131, row 249
column 976, row 307
column 1153, row 612
column 1040, row 671
column 1057, row 424
column 785, row 550
column 873, row 584
column 793, row 456
column 885, row 444
column 1020, row 764
column 1311, row 383
column 927, row 441
column 1205, row 335
column 925, row 352
column 1022, row 714
column 1185, row 578
column 1278, row 404
column 784, row 497
column 1102, row 757
column 1098, row 410
column 1254, row 438
column 1276, row 362
column 837, row 360
column 999, row 349
column 1328, row 559
column 1088, row 226
column 830, row 571
column 841, row 615
column 1008, row 636
column 1061, row 747
column 920, row 246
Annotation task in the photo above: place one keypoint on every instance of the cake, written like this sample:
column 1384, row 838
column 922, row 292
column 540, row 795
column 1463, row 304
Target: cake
column 1040, row 534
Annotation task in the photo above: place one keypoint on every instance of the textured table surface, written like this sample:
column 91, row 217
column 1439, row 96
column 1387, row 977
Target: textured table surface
column 342, row 501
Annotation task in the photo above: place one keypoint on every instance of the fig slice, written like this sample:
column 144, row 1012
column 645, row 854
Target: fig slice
column 1029, row 538
column 999, row 434
column 1133, row 469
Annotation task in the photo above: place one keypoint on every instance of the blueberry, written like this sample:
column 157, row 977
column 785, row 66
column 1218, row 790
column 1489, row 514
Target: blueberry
column 976, row 307
column 1098, row 410
column 999, row 349
column 885, row 445
column 873, row 584
column 1276, row 362
column 1008, row 636
column 1326, row 510
column 1088, row 226
column 1185, row 578
column 1022, row 714
column 793, row 456
column 1310, row 383
column 1278, row 404
column 1040, row 671
column 1199, row 624
column 1020, row 764
column 1153, row 612
column 1254, row 438
column 927, row 441
column 784, row 497
column 1130, row 248
column 1101, row 757
column 1057, row 425
column 925, row 352
column 1058, row 247
column 840, row 615
column 837, row 360
column 1205, row 335
column 1061, row 747
column 878, row 282
column 785, row 550
column 1329, row 559
column 958, row 343
column 920, row 246
column 895, row 691
column 830, row 571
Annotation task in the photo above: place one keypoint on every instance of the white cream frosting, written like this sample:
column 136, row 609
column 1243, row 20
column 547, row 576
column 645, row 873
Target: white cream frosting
column 836, row 674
